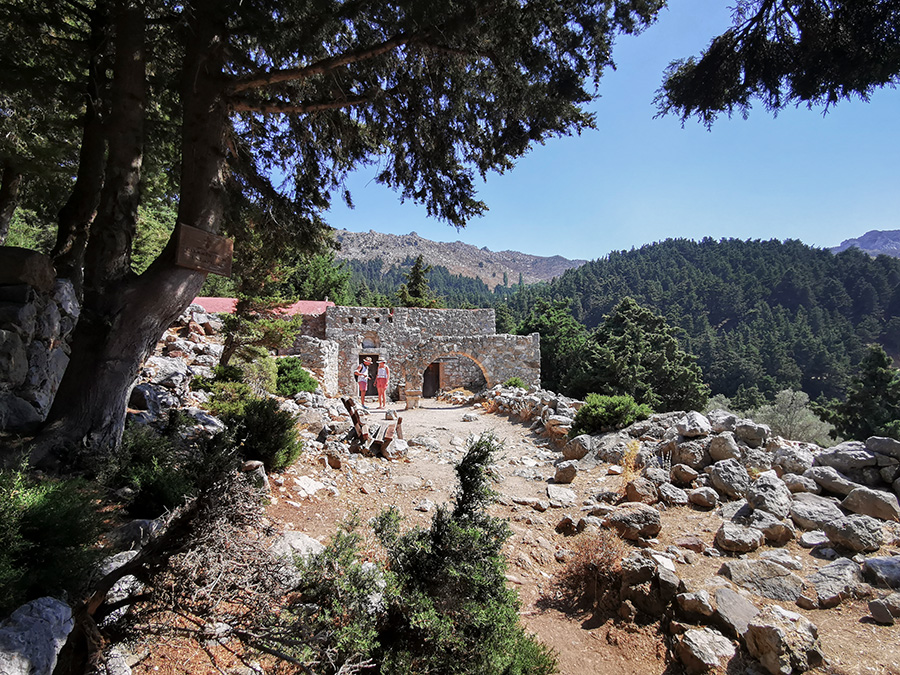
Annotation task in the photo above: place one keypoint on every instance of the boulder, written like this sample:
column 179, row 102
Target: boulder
column 30, row 639
column 776, row 530
column 24, row 266
column 566, row 471
column 875, row 503
column 812, row 539
column 703, row 497
column 296, row 544
column 682, row 474
column 703, row 649
column 882, row 571
column 881, row 612
column 655, row 474
column 784, row 642
column 734, row 612
column 751, row 433
column 846, row 456
column 856, row 533
column 883, row 446
column 641, row 490
column 791, row 459
column 730, row 478
column 738, row 539
column 723, row 446
column 781, row 557
column 635, row 521
column 796, row 483
column 693, row 453
column 578, row 447
column 672, row 496
column 830, row 479
column 769, row 493
column 812, row 512
column 765, row 578
column 722, row 420
column 15, row 412
column 836, row 582
column 560, row 495
column 172, row 373
column 697, row 603
column 693, row 425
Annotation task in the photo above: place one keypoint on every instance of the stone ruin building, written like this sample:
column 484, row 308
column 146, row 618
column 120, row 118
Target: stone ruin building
column 427, row 350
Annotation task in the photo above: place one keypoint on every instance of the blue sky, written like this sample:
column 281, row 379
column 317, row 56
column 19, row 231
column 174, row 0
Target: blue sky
column 635, row 179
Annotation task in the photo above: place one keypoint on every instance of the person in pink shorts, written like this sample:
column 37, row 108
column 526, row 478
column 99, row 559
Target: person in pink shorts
column 362, row 379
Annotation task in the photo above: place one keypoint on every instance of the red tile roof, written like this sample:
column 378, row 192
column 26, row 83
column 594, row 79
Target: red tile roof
column 227, row 305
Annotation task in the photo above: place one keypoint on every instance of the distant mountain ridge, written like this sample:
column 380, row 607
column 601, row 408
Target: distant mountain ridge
column 457, row 257
column 874, row 242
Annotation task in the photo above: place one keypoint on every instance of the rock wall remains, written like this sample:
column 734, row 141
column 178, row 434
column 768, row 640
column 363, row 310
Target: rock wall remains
column 37, row 315
column 321, row 357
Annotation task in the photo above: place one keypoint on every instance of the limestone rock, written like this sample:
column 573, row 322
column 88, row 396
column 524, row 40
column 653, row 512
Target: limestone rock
column 672, row 495
column 796, row 483
column 561, row 495
column 857, row 533
column 693, row 425
column 722, row 420
column 635, row 521
column 24, row 266
column 791, row 459
column 13, row 359
column 566, row 471
column 703, row 649
column 764, row 578
column 704, row 497
column 881, row 612
column 812, row 512
column 16, row 413
column 883, row 446
column 682, row 474
column 738, row 539
column 730, row 478
column 882, row 571
column 836, row 582
column 875, row 503
column 784, row 642
column 751, row 433
column 769, row 493
column 813, row 538
column 846, row 456
column 783, row 558
column 830, row 479
column 578, row 447
column 30, row 639
column 641, row 490
column 776, row 530
column 734, row 611
column 695, row 603
column 693, row 453
column 723, row 446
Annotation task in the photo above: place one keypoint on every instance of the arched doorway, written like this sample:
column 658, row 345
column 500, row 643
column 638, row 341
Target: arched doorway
column 451, row 372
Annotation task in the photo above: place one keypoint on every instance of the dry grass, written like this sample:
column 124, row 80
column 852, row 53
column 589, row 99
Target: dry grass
column 629, row 462
column 592, row 575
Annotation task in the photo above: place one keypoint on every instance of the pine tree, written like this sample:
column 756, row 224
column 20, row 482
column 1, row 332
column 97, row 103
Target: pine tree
column 416, row 291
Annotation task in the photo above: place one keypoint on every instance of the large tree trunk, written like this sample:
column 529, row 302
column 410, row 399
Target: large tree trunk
column 74, row 219
column 123, row 323
column 9, row 197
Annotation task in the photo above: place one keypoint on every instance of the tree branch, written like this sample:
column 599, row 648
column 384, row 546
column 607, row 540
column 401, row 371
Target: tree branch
column 323, row 66
column 282, row 107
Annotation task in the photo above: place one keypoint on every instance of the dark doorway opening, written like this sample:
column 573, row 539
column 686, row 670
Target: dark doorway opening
column 431, row 380
column 373, row 371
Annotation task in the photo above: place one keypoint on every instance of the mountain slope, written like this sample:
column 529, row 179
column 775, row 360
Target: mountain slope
column 874, row 242
column 457, row 257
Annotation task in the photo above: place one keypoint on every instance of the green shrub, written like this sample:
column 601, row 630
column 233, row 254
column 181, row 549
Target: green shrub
column 606, row 413
column 228, row 398
column 220, row 374
column 48, row 530
column 514, row 382
column 161, row 468
column 293, row 377
column 260, row 374
column 264, row 432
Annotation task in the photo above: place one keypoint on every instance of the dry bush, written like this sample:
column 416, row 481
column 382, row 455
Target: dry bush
column 629, row 461
column 592, row 575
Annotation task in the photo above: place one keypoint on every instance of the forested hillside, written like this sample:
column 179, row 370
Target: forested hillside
column 764, row 314
column 760, row 316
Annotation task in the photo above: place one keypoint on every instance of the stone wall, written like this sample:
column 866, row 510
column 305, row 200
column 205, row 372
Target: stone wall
column 321, row 357
column 394, row 335
column 37, row 315
column 313, row 325
column 461, row 372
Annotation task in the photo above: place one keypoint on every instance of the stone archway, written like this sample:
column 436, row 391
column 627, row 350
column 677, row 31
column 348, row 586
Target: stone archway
column 451, row 370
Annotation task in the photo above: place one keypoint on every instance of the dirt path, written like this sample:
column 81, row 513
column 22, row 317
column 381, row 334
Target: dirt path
column 586, row 644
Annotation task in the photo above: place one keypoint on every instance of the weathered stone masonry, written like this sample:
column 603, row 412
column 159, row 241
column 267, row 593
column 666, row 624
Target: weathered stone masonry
column 460, row 345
